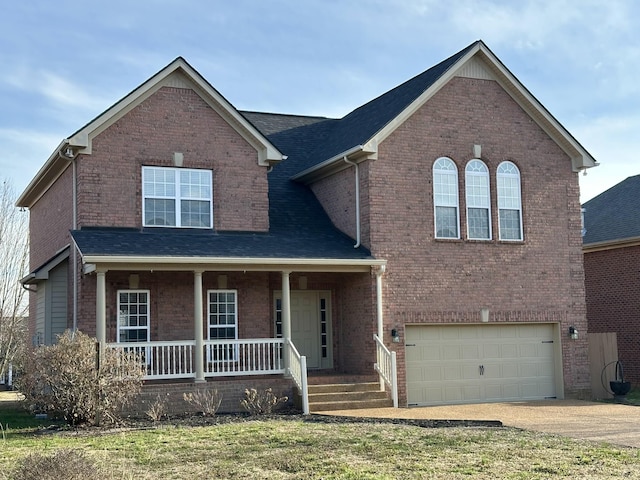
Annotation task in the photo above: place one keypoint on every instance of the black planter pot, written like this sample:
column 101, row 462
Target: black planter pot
column 620, row 388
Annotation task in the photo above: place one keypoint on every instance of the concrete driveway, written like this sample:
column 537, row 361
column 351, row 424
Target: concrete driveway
column 602, row 422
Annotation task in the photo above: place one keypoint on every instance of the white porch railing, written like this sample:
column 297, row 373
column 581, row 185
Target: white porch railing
column 298, row 371
column 176, row 359
column 243, row 357
column 386, row 367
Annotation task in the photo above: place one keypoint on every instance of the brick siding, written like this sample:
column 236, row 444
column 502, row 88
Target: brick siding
column 613, row 302
column 449, row 281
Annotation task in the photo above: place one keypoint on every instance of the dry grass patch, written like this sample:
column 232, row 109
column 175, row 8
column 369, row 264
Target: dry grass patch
column 295, row 449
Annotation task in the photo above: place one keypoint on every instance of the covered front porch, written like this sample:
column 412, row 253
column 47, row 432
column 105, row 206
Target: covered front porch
column 275, row 348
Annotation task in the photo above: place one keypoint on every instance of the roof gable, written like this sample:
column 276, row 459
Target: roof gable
column 360, row 132
column 178, row 74
column 613, row 217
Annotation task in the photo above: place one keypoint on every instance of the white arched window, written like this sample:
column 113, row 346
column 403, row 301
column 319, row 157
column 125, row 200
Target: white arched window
column 445, row 198
column 509, row 202
column 478, row 200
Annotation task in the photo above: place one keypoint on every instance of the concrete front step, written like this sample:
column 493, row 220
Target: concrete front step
column 349, row 405
column 344, row 387
column 347, row 396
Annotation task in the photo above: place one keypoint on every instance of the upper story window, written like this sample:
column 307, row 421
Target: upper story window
column 509, row 202
column 445, row 198
column 177, row 197
column 478, row 200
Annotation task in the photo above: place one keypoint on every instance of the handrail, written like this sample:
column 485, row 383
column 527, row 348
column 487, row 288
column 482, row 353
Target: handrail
column 386, row 366
column 298, row 371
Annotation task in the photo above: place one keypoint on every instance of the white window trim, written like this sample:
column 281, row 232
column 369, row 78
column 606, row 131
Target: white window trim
column 177, row 198
column 488, row 193
column 436, row 205
column 498, row 197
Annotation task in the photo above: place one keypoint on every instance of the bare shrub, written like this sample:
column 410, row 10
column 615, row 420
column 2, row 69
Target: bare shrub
column 65, row 381
column 207, row 401
column 261, row 403
column 66, row 463
column 158, row 409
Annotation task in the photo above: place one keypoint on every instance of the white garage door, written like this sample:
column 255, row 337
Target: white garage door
column 449, row 364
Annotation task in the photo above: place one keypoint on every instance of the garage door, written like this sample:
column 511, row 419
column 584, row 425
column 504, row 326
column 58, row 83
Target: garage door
column 449, row 364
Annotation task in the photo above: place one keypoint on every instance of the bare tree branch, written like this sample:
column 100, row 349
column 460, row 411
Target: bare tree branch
column 14, row 264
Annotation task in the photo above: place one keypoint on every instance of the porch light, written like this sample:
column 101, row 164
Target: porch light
column 573, row 333
column 395, row 336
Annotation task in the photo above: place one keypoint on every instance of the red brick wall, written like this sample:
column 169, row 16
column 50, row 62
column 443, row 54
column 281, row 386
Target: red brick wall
column 171, row 297
column 445, row 281
column 51, row 219
column 613, row 302
column 171, row 120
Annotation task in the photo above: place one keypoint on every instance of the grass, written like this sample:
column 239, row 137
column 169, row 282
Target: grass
column 296, row 449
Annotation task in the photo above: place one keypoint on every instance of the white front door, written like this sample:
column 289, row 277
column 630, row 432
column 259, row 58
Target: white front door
column 310, row 325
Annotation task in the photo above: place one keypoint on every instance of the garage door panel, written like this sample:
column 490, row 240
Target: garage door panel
column 476, row 363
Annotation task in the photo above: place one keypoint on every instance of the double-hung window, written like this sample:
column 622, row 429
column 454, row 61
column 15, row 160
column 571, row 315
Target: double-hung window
column 445, row 198
column 223, row 323
column 478, row 200
column 177, row 197
column 509, row 202
column 133, row 320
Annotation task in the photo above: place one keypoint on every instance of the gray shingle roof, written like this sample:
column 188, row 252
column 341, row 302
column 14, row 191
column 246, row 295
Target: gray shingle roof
column 614, row 214
column 299, row 226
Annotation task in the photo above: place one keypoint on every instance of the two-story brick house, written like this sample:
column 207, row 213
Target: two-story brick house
column 438, row 225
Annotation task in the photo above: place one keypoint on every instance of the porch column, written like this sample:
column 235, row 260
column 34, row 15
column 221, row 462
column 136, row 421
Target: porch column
column 286, row 317
column 101, row 310
column 379, row 272
column 198, row 324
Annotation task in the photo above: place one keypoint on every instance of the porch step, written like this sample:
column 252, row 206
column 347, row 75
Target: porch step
column 347, row 396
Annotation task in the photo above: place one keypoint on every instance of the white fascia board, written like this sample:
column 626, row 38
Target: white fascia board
column 611, row 244
column 580, row 158
column 359, row 153
column 267, row 153
column 108, row 262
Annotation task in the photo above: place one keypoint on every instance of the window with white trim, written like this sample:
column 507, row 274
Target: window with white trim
column 177, row 197
column 133, row 316
column 223, row 322
column 478, row 200
column 445, row 198
column 509, row 202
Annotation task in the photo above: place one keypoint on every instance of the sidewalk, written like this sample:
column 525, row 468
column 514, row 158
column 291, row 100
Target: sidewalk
column 602, row 422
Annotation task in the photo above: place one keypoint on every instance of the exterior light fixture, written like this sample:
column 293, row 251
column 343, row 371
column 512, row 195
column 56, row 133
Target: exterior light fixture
column 573, row 332
column 395, row 336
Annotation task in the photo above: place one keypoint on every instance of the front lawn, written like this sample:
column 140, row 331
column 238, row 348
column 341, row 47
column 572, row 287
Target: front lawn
column 298, row 449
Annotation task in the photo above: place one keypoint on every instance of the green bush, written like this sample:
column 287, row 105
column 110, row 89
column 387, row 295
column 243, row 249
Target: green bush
column 64, row 381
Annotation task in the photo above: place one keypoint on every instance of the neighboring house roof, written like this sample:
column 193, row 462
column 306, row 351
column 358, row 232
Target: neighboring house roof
column 613, row 217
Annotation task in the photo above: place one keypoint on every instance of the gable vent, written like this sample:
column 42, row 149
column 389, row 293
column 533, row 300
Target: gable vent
column 474, row 68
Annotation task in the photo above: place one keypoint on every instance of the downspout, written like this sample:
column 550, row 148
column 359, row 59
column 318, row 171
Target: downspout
column 69, row 154
column 75, row 249
column 357, row 177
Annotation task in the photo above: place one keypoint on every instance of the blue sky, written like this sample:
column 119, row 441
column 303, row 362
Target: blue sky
column 64, row 62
